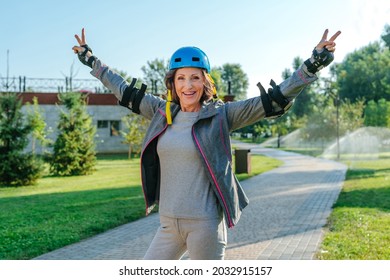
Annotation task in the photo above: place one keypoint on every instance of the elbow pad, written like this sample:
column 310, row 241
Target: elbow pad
column 132, row 96
column 271, row 98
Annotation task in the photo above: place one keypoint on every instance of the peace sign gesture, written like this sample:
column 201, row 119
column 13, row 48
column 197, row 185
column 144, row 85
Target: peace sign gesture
column 83, row 51
column 82, row 42
column 328, row 44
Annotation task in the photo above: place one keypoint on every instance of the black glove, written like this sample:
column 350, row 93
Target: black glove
column 84, row 58
column 319, row 60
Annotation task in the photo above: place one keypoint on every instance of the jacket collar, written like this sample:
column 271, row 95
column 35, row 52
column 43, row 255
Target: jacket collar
column 208, row 109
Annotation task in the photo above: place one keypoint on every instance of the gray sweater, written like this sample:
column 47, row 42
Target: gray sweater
column 185, row 190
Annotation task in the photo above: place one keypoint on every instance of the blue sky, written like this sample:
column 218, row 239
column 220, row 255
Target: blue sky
column 263, row 36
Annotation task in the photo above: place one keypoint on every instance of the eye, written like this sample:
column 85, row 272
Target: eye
column 195, row 77
column 180, row 78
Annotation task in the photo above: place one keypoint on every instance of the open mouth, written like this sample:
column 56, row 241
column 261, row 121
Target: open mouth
column 189, row 93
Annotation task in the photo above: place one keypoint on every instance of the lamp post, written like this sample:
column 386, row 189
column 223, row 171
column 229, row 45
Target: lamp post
column 154, row 87
column 336, row 102
column 229, row 96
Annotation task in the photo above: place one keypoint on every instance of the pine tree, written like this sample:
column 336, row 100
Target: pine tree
column 16, row 167
column 37, row 121
column 74, row 149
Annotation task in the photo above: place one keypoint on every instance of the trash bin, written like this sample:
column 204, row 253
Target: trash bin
column 243, row 161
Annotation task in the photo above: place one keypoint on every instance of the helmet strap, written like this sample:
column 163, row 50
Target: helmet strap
column 168, row 107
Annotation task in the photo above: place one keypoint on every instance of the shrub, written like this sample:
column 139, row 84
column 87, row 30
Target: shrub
column 16, row 167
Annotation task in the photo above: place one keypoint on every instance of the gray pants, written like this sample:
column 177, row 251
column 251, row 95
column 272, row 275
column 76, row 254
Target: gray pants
column 204, row 239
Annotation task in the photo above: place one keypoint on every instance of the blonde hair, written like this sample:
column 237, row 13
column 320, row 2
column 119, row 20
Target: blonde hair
column 208, row 84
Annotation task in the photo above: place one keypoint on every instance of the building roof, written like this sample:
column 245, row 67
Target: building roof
column 52, row 98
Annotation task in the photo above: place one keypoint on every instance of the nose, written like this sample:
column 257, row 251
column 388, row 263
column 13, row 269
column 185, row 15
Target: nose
column 188, row 83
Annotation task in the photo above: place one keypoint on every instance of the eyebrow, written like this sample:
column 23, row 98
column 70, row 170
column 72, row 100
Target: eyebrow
column 194, row 74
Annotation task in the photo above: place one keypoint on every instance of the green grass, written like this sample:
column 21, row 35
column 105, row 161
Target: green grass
column 359, row 226
column 259, row 164
column 59, row 211
column 62, row 210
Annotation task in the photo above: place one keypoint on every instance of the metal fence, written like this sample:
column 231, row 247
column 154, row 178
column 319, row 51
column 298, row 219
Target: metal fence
column 24, row 84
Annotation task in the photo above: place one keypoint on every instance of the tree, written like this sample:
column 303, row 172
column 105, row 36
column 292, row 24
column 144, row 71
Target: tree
column 351, row 115
column 16, row 168
column 74, row 148
column 383, row 112
column 279, row 127
column 136, row 129
column 376, row 113
column 370, row 113
column 322, row 124
column 154, row 73
column 216, row 74
column 233, row 73
column 386, row 35
column 129, row 78
column 35, row 118
column 364, row 73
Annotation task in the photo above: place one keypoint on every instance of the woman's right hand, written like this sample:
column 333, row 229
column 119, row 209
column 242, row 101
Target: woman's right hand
column 83, row 51
column 82, row 43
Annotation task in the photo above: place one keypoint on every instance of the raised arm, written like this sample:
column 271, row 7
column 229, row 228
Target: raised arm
column 127, row 94
column 279, row 98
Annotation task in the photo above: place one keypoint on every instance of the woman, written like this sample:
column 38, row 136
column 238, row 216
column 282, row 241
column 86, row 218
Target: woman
column 186, row 161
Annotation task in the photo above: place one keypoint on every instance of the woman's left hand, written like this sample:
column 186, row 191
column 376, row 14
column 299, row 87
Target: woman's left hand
column 330, row 45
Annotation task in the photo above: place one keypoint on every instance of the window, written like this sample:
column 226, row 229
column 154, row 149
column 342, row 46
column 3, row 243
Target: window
column 114, row 128
column 102, row 124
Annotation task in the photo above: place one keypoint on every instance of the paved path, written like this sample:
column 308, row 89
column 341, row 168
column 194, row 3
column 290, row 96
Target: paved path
column 288, row 209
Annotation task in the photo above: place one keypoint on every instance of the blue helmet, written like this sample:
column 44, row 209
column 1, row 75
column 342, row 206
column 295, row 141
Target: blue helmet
column 189, row 57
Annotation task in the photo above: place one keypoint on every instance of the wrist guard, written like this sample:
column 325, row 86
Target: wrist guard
column 84, row 58
column 319, row 60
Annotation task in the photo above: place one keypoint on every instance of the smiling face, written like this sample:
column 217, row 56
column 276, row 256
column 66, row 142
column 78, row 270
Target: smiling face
column 189, row 87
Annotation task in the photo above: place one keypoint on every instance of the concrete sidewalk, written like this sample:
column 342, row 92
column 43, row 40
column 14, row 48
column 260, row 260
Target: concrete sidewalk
column 288, row 209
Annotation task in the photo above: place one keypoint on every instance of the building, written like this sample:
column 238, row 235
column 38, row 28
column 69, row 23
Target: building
column 105, row 112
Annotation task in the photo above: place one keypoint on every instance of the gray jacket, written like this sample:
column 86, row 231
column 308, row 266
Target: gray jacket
column 211, row 135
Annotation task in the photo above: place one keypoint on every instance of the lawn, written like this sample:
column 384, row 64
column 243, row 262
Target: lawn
column 62, row 210
column 359, row 226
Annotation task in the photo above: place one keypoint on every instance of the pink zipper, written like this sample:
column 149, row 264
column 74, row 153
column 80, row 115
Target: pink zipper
column 214, row 179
